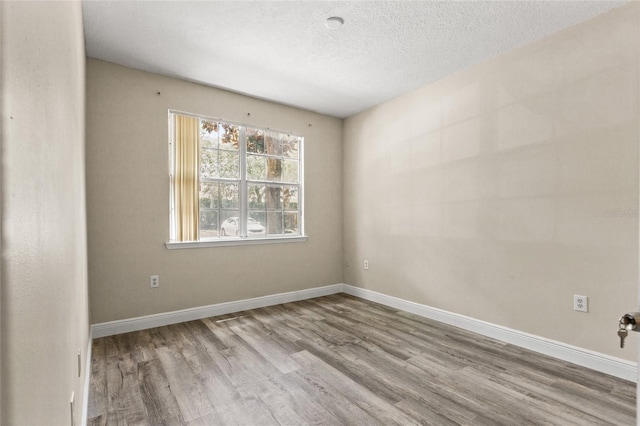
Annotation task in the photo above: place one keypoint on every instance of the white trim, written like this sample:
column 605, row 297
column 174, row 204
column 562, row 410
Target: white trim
column 87, row 379
column 242, row 184
column 150, row 321
column 594, row 360
column 238, row 242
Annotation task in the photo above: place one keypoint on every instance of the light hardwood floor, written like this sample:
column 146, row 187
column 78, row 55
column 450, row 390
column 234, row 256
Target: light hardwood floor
column 339, row 360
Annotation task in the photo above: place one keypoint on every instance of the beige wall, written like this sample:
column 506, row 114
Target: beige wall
column 486, row 193
column 44, row 282
column 128, row 200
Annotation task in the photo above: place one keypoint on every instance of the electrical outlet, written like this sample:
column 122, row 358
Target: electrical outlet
column 580, row 303
column 366, row 264
column 154, row 281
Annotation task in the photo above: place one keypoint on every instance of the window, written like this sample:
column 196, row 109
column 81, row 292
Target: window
column 231, row 182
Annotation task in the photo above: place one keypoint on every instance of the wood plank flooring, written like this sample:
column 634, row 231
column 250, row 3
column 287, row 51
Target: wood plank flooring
column 339, row 360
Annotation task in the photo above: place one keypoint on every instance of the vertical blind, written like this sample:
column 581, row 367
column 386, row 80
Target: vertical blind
column 186, row 181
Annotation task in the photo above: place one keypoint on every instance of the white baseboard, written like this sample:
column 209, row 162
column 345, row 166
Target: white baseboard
column 158, row 320
column 596, row 361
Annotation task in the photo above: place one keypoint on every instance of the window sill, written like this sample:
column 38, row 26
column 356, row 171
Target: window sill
column 234, row 242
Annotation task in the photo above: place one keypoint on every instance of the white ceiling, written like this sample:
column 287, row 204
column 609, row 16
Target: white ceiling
column 282, row 51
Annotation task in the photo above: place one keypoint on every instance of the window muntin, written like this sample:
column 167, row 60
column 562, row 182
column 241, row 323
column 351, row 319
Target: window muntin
column 250, row 182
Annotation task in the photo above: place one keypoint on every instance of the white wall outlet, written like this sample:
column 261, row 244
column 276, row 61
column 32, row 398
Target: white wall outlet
column 580, row 303
column 154, row 281
column 366, row 264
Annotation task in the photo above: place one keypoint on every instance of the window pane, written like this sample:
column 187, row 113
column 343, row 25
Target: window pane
column 205, row 203
column 255, row 196
column 291, row 146
column 259, row 216
column 209, row 198
column 208, row 163
column 290, row 171
column 256, row 167
column 272, row 144
column 255, row 227
column 229, row 137
column 229, row 195
column 229, row 227
column 229, row 165
column 291, row 225
column 208, row 134
column 208, row 224
column 255, row 140
column 273, row 197
column 274, row 169
column 290, row 198
column 274, row 223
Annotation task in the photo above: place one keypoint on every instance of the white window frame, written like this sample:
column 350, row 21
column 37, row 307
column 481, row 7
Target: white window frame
column 243, row 209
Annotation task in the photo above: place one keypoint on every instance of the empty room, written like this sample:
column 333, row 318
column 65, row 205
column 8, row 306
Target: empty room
column 319, row 212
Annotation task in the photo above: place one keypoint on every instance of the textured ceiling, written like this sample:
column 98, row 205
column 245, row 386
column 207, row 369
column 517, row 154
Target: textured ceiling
column 282, row 51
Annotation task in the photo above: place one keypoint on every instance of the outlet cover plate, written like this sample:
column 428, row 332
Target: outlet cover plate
column 580, row 303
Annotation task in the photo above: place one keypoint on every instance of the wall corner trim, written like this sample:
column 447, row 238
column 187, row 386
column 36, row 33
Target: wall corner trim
column 617, row 367
column 613, row 366
column 87, row 378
